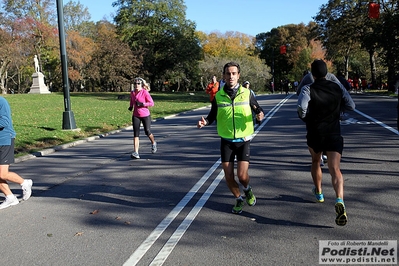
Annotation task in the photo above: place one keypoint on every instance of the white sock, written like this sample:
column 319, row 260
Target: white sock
column 11, row 196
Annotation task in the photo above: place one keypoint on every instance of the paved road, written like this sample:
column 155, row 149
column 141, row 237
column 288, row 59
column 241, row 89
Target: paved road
column 93, row 205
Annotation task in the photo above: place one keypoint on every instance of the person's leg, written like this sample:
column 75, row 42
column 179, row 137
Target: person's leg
column 147, row 128
column 228, row 154
column 136, row 144
column 334, row 159
column 6, row 158
column 242, row 173
column 8, row 176
column 337, row 179
column 4, row 188
column 228, row 168
column 136, row 133
column 243, row 156
column 3, row 180
column 315, row 171
column 152, row 139
column 5, row 176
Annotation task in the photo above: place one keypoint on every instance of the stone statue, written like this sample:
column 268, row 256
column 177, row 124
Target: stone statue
column 36, row 64
column 38, row 85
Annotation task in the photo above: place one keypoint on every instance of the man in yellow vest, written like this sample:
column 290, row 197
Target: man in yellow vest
column 232, row 108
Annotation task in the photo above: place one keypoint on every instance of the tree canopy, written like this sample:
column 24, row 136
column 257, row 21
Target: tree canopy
column 154, row 39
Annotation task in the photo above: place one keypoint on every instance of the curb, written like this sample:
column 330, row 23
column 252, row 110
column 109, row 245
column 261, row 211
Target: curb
column 67, row 145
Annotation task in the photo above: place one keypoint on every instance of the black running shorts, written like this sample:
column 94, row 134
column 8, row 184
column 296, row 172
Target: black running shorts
column 229, row 150
column 326, row 143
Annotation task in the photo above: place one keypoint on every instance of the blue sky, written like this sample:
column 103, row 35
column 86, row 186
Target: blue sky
column 246, row 16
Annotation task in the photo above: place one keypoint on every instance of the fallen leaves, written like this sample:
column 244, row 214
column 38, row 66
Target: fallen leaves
column 95, row 212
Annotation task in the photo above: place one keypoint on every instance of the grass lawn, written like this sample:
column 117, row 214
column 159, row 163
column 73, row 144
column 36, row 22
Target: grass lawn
column 37, row 118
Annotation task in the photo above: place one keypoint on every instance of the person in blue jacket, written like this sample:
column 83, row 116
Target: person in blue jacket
column 7, row 136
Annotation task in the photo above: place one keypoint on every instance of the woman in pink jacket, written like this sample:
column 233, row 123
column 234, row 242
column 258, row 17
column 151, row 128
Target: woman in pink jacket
column 140, row 100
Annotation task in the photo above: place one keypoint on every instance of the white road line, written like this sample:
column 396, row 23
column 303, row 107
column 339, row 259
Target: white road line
column 146, row 245
column 173, row 240
column 378, row 122
column 177, row 235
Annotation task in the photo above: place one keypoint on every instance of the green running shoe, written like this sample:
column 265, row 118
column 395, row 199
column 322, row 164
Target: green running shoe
column 250, row 197
column 319, row 196
column 340, row 210
column 237, row 209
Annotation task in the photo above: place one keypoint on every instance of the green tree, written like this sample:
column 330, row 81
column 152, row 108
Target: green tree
column 389, row 38
column 160, row 28
column 113, row 64
column 80, row 50
column 77, row 18
column 338, row 29
column 345, row 29
column 299, row 45
column 220, row 48
column 31, row 25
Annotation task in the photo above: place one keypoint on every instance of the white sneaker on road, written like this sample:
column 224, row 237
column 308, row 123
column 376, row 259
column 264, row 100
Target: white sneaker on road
column 135, row 155
column 10, row 200
column 27, row 189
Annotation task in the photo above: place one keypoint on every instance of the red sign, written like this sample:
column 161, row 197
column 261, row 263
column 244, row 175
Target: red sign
column 374, row 10
column 283, row 49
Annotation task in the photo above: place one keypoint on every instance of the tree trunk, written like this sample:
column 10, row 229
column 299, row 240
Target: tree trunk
column 178, row 84
column 346, row 65
column 3, row 75
column 373, row 69
column 390, row 60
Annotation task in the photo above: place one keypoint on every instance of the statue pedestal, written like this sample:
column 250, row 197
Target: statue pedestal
column 38, row 85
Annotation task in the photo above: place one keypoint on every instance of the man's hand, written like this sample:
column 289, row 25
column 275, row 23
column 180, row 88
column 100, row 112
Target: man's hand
column 130, row 108
column 260, row 116
column 201, row 123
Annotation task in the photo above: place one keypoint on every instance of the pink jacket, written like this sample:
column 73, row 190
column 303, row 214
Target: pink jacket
column 144, row 97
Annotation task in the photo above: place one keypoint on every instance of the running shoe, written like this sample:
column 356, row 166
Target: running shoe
column 11, row 200
column 237, row 209
column 319, row 196
column 154, row 147
column 26, row 189
column 135, row 155
column 250, row 197
column 340, row 210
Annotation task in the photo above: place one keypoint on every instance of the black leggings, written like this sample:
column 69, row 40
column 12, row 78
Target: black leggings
column 146, row 124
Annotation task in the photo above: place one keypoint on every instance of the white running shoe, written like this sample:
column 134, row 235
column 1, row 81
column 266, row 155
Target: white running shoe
column 27, row 189
column 154, row 147
column 135, row 155
column 10, row 200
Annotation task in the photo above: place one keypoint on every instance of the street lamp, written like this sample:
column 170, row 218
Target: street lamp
column 68, row 119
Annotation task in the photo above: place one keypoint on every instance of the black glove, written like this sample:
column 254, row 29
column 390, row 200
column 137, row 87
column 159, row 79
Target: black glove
column 139, row 103
column 130, row 108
